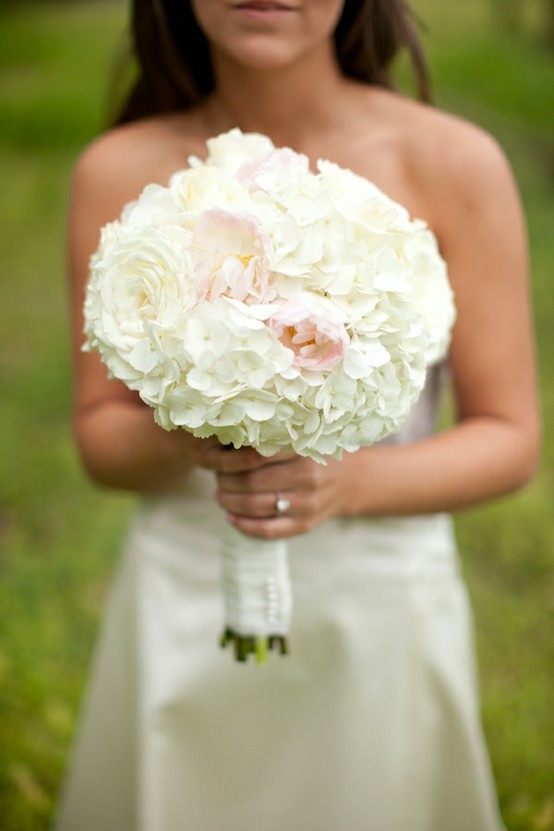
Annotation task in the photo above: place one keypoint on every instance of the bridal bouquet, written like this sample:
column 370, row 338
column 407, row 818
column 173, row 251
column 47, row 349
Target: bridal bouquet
column 270, row 306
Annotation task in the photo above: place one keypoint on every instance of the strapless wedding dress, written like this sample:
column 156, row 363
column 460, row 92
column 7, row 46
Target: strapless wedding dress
column 370, row 724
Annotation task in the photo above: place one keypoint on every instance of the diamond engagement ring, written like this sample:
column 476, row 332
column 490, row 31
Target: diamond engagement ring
column 282, row 504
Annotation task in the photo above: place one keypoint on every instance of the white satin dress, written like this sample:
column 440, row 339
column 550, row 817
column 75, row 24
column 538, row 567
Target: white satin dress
column 370, row 724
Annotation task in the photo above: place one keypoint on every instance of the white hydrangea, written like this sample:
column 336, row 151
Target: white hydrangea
column 268, row 305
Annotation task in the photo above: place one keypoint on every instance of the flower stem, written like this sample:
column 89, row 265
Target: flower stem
column 258, row 646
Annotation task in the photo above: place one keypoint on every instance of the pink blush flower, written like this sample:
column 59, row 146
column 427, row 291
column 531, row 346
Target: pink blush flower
column 313, row 329
column 283, row 158
column 230, row 255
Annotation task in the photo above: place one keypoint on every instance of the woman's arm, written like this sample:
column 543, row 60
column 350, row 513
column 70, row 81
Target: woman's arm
column 493, row 448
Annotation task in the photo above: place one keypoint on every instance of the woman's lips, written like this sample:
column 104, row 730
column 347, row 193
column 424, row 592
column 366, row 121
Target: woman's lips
column 263, row 9
column 264, row 5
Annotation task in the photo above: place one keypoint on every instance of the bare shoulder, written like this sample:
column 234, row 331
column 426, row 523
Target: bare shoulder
column 117, row 165
column 445, row 144
column 435, row 163
column 453, row 161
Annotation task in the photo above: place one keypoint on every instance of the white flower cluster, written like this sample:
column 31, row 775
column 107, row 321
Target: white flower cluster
column 268, row 305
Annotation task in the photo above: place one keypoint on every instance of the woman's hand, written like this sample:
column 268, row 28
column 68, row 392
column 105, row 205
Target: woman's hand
column 249, row 486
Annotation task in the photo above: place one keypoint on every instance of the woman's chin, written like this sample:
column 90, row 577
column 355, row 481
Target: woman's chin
column 261, row 56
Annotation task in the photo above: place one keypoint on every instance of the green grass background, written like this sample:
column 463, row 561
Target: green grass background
column 59, row 536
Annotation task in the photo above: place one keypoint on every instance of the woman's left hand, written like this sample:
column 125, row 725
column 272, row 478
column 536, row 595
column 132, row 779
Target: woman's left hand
column 279, row 496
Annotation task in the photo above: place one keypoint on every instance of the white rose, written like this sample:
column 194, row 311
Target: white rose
column 140, row 285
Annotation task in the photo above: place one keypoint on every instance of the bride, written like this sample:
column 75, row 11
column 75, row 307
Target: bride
column 372, row 722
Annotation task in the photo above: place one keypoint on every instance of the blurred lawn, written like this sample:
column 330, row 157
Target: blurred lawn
column 59, row 536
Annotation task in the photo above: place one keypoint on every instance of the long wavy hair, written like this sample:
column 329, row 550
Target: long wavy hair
column 172, row 55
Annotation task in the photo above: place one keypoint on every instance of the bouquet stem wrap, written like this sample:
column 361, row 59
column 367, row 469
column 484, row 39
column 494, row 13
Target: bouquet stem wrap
column 257, row 595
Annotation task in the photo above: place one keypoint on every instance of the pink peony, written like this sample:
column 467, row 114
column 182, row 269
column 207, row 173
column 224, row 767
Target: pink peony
column 230, row 255
column 282, row 158
column 313, row 329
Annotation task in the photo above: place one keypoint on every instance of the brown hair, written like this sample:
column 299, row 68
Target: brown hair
column 175, row 71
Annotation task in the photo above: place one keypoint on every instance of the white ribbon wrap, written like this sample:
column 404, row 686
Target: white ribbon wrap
column 256, row 585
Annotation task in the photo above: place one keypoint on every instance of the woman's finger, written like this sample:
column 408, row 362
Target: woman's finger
column 226, row 459
column 289, row 473
column 272, row 528
column 258, row 505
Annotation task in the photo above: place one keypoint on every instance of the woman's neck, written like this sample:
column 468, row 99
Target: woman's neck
column 289, row 104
